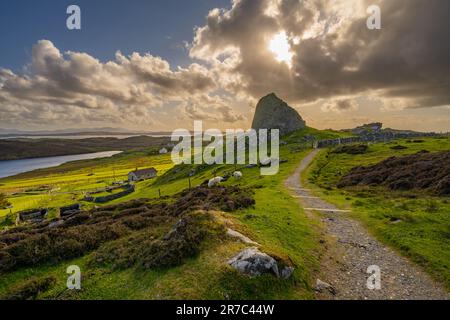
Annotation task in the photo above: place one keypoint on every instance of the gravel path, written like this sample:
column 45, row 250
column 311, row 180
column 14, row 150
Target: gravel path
column 350, row 250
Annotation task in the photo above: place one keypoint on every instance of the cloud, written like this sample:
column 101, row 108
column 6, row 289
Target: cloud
column 73, row 87
column 335, row 60
column 341, row 105
column 334, row 54
column 214, row 109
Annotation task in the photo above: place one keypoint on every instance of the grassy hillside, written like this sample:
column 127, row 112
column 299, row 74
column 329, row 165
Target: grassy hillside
column 415, row 223
column 66, row 184
column 276, row 221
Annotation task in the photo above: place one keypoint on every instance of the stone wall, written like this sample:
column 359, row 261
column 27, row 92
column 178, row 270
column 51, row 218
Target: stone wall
column 373, row 137
column 127, row 190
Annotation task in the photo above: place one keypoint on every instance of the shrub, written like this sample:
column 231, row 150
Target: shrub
column 88, row 231
column 431, row 206
column 399, row 147
column 351, row 149
column 30, row 289
column 159, row 249
column 4, row 201
column 182, row 242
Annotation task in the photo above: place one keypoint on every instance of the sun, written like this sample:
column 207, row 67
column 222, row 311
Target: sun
column 280, row 47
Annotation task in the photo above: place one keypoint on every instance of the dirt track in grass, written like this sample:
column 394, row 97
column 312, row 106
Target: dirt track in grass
column 349, row 250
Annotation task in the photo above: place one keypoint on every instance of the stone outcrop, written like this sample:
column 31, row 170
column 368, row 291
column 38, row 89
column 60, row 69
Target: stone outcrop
column 255, row 263
column 234, row 234
column 273, row 113
column 322, row 286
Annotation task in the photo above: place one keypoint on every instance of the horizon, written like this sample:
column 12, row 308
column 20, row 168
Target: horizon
column 161, row 70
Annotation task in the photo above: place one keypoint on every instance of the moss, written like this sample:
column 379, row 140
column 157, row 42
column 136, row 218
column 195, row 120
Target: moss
column 351, row 149
column 30, row 289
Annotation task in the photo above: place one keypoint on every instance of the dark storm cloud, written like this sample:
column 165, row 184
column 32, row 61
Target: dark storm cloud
column 334, row 63
column 334, row 53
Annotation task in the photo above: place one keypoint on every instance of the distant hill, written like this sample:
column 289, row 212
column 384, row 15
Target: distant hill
column 37, row 148
column 107, row 131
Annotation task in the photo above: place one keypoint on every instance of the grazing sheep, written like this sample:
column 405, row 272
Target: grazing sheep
column 237, row 175
column 265, row 162
column 214, row 182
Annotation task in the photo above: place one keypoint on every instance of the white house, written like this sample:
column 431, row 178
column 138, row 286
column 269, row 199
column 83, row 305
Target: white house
column 143, row 174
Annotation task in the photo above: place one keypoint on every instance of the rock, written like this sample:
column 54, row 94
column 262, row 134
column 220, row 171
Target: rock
column 273, row 113
column 69, row 210
column 286, row 272
column 176, row 230
column 56, row 223
column 253, row 262
column 234, row 234
column 368, row 128
column 322, row 286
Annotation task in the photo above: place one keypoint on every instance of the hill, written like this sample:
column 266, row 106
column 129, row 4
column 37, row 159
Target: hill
column 169, row 239
column 36, row 148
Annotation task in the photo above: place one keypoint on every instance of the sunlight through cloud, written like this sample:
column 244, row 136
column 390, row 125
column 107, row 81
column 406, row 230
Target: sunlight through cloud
column 280, row 47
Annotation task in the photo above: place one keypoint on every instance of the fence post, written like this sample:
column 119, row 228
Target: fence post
column 159, row 192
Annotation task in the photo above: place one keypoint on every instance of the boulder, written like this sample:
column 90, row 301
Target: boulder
column 273, row 113
column 55, row 224
column 255, row 263
column 322, row 286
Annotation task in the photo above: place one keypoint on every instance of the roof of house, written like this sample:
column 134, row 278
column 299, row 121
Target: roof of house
column 144, row 172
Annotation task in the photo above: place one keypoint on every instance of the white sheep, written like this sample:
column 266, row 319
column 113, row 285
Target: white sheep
column 214, row 182
column 265, row 162
column 237, row 175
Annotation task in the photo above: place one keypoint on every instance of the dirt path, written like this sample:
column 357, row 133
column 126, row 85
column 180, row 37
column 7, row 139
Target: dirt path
column 350, row 250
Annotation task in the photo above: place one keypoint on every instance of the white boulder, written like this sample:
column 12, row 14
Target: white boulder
column 253, row 262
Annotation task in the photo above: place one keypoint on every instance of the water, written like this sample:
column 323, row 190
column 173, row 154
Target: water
column 12, row 167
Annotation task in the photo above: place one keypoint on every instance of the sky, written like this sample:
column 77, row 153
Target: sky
column 159, row 65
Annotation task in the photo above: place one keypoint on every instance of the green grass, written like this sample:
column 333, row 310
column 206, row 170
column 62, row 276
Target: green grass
column 277, row 222
column 68, row 183
column 414, row 223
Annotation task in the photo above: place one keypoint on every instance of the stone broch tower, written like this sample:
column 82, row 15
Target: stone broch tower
column 273, row 113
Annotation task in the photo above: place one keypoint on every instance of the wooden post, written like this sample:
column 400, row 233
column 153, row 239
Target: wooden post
column 189, row 183
column 159, row 192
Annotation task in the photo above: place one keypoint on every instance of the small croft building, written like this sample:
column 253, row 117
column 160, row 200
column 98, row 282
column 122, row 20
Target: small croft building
column 144, row 174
